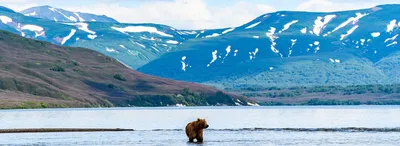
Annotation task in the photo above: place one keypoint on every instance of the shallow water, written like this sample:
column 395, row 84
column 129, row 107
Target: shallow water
column 226, row 125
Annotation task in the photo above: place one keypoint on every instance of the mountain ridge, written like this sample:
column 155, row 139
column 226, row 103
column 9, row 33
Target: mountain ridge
column 269, row 50
column 62, row 15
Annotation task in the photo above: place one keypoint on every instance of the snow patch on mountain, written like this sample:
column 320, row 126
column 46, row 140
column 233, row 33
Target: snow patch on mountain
column 317, row 46
column 392, row 38
column 155, row 49
column 92, row 36
column 31, row 14
column 122, row 46
column 214, row 57
column 235, row 52
column 271, row 35
column 375, row 34
column 141, row 45
column 82, row 26
column 111, row 50
column 321, row 22
column 228, row 30
column 65, row 39
column 291, row 47
column 39, row 31
column 228, row 50
column 287, row 26
column 139, row 29
column 5, row 19
column 253, row 54
column 271, row 68
column 52, row 9
column 304, row 30
column 349, row 32
column 293, row 41
column 352, row 20
column 79, row 17
column 362, row 41
column 184, row 65
column 253, row 25
column 172, row 42
column 32, row 28
column 212, row 35
column 391, row 44
column 71, row 18
column 391, row 26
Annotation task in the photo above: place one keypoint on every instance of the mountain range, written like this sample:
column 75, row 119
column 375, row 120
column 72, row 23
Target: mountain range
column 286, row 48
column 283, row 48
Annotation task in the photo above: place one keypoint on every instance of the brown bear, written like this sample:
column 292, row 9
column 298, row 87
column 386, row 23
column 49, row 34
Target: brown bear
column 194, row 130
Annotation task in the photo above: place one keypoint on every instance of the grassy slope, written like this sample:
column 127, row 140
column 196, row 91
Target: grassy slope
column 37, row 72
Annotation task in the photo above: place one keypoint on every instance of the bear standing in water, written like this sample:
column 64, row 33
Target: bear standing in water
column 194, row 130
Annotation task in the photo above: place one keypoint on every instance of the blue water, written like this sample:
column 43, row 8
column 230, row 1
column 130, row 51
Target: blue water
column 164, row 126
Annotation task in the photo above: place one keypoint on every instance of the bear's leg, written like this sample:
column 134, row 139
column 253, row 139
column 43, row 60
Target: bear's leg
column 200, row 139
column 191, row 139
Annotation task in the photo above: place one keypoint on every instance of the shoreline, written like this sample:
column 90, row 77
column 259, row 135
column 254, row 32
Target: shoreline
column 45, row 130
column 198, row 107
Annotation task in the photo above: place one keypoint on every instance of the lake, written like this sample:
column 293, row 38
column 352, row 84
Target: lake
column 228, row 125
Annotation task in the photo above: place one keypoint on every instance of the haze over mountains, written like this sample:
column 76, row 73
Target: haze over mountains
column 275, row 49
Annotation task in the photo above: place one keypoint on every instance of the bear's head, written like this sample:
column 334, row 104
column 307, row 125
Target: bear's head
column 202, row 123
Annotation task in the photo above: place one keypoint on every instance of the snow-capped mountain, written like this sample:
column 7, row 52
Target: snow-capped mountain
column 276, row 49
column 292, row 49
column 61, row 15
column 132, row 44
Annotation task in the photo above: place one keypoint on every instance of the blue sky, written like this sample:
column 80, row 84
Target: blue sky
column 194, row 14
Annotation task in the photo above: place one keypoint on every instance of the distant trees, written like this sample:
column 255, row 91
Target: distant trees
column 328, row 90
column 321, row 91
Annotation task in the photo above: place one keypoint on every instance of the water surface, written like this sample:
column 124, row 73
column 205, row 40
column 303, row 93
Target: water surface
column 164, row 126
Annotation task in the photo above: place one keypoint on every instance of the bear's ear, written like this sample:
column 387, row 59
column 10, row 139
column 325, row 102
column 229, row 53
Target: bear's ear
column 198, row 119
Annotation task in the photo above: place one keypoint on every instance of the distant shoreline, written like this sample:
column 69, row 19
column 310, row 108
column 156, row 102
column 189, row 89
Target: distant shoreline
column 196, row 107
column 42, row 130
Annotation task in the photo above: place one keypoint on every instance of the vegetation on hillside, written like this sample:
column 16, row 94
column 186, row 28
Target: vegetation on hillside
column 325, row 95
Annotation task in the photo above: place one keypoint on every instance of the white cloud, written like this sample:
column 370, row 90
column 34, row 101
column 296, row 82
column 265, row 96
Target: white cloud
column 330, row 6
column 183, row 14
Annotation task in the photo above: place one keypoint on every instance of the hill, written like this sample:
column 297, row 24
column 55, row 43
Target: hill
column 36, row 74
